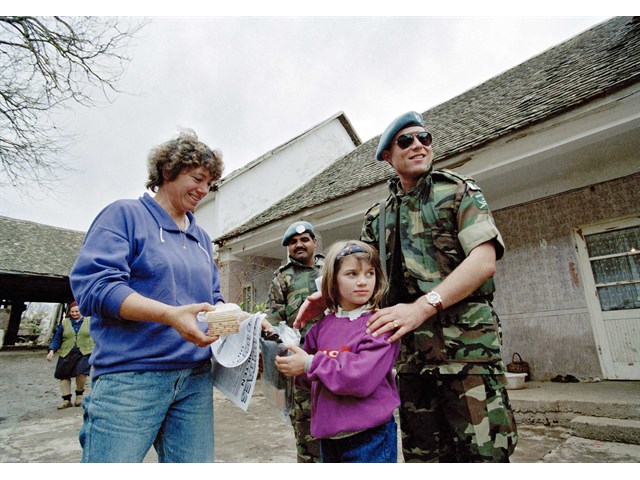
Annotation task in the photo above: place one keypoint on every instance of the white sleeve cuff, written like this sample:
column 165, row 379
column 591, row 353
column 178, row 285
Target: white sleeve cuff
column 307, row 363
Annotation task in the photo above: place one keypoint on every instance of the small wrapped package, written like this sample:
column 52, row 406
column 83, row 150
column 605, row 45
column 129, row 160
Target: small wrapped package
column 225, row 319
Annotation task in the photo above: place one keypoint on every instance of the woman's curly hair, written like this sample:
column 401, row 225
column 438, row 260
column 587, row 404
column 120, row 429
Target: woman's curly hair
column 185, row 152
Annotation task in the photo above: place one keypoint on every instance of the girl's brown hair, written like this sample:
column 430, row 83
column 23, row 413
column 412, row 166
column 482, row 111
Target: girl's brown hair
column 333, row 260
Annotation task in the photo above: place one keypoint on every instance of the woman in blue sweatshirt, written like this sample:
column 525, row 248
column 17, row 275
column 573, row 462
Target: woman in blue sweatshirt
column 144, row 272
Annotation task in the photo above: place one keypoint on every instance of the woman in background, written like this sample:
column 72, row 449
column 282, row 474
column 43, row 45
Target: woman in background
column 74, row 345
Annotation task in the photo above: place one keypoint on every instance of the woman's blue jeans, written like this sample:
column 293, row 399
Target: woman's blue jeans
column 375, row 445
column 126, row 413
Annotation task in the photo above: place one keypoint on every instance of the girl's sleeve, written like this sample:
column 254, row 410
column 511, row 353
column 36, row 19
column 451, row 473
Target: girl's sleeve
column 309, row 346
column 357, row 373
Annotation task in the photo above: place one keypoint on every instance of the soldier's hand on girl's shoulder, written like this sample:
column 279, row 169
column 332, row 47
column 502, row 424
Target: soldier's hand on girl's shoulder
column 399, row 319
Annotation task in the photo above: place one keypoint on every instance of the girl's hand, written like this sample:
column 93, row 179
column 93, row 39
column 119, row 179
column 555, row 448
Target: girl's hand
column 292, row 365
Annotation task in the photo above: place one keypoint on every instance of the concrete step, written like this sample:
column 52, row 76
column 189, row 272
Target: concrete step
column 606, row 429
column 557, row 404
column 561, row 413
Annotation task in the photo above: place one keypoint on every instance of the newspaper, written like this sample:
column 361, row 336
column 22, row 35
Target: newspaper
column 235, row 361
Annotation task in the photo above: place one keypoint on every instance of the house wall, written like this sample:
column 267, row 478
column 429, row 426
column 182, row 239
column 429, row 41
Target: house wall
column 250, row 191
column 235, row 274
column 257, row 270
column 540, row 297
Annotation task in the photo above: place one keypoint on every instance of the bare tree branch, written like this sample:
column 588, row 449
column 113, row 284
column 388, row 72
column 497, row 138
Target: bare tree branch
column 48, row 64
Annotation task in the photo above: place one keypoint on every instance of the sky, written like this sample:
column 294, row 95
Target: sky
column 249, row 84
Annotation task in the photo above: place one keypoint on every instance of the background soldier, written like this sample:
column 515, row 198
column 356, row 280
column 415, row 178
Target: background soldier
column 291, row 285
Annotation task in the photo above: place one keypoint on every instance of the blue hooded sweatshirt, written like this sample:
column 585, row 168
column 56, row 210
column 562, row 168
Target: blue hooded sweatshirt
column 135, row 246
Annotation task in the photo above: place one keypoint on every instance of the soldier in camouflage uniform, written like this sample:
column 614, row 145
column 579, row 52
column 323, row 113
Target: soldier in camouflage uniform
column 441, row 246
column 291, row 285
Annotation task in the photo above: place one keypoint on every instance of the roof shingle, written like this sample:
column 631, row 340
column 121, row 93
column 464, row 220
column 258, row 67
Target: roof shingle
column 34, row 248
column 599, row 61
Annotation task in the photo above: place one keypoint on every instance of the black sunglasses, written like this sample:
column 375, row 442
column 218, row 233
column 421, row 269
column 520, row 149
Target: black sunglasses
column 405, row 140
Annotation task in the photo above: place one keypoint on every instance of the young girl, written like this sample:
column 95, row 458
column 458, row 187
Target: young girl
column 353, row 390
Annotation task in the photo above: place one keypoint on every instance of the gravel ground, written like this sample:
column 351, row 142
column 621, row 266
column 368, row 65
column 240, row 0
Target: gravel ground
column 32, row 430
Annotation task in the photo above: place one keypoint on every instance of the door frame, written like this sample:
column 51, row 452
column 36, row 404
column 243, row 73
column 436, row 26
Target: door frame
column 605, row 355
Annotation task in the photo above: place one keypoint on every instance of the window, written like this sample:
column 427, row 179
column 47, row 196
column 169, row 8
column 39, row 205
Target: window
column 248, row 297
column 615, row 261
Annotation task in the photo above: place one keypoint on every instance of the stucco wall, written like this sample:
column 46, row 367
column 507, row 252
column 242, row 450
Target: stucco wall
column 540, row 297
column 257, row 270
column 249, row 192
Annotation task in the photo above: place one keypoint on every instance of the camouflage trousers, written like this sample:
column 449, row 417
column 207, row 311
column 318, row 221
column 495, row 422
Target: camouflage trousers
column 455, row 418
column 307, row 447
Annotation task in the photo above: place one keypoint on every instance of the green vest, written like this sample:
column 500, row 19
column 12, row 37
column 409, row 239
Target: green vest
column 69, row 337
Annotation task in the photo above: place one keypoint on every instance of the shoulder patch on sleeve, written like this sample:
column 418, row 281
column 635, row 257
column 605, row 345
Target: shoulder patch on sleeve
column 479, row 200
column 458, row 178
column 472, row 185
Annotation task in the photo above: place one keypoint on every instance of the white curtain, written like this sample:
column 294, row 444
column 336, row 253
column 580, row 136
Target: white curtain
column 615, row 261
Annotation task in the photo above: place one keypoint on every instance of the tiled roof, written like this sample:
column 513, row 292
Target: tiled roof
column 32, row 248
column 595, row 63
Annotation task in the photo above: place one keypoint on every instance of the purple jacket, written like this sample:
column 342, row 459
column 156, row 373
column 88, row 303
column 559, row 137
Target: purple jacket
column 352, row 383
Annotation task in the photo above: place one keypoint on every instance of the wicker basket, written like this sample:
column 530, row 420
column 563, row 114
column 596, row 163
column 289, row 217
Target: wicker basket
column 518, row 366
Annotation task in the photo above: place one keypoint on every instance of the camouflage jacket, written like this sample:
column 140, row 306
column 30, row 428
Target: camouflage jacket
column 440, row 221
column 291, row 285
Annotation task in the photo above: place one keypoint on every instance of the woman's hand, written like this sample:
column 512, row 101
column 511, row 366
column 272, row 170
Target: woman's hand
column 183, row 319
column 292, row 365
column 267, row 327
column 138, row 308
column 49, row 355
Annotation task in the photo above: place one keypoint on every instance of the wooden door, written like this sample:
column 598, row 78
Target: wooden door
column 609, row 256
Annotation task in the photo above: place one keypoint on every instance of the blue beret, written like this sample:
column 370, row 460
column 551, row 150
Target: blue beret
column 297, row 228
column 405, row 120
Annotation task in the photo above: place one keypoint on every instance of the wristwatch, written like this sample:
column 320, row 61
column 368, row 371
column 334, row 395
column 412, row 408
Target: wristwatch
column 434, row 299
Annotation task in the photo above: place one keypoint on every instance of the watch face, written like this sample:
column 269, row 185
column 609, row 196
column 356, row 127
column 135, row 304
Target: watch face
column 433, row 297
